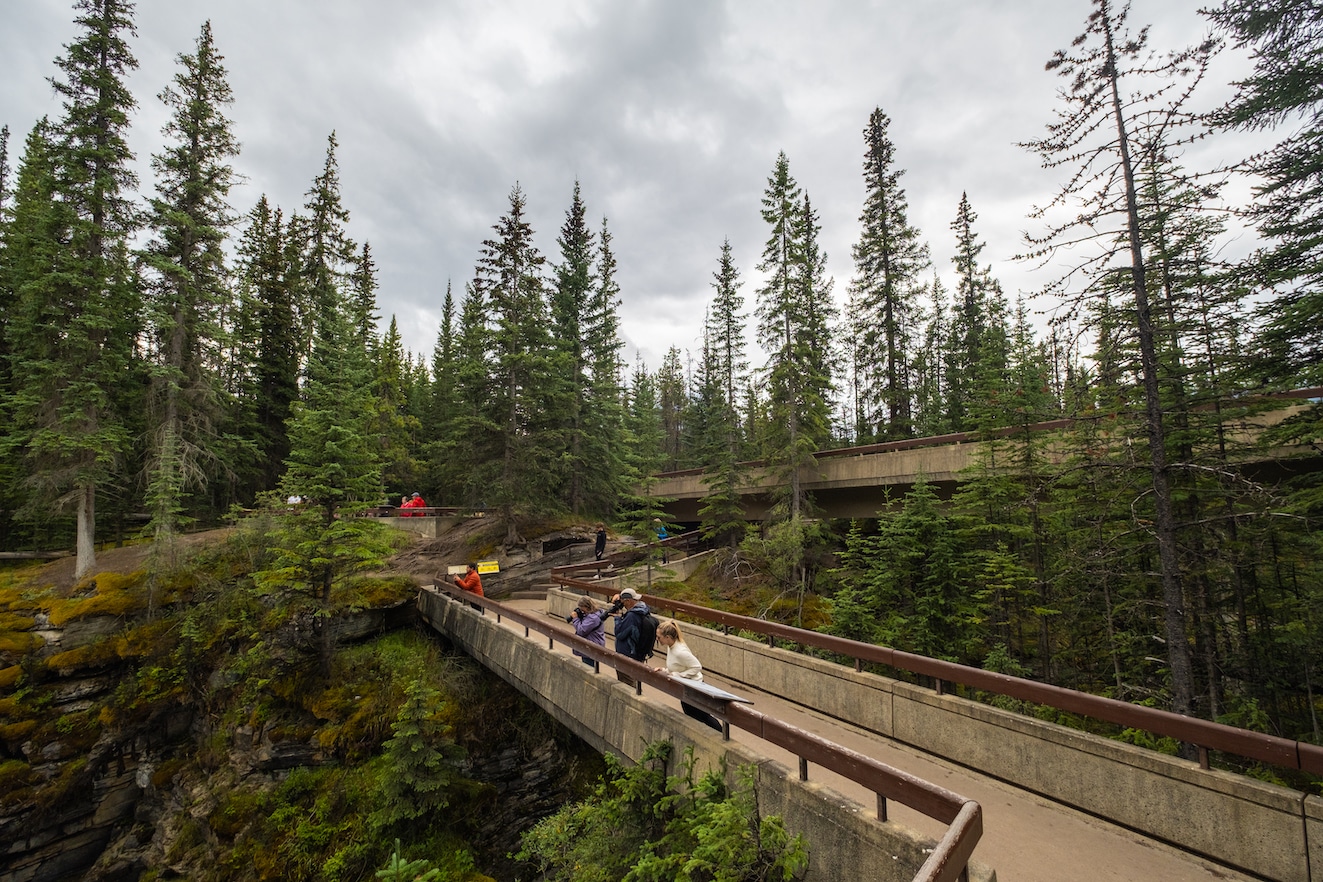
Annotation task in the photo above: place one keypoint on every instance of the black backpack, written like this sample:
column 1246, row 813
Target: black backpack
column 647, row 639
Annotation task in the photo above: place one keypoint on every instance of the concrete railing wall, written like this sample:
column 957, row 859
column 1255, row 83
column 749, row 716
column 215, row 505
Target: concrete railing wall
column 1271, row 831
column 610, row 717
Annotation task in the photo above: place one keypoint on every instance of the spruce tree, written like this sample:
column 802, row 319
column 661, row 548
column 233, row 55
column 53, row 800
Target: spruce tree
column 473, row 435
column 1285, row 90
column 509, row 277
column 28, row 246
column 970, row 320
column 187, row 285
column 363, row 286
column 786, row 321
column 76, row 319
column 397, row 430
column 725, row 373
column 327, row 256
column 334, row 466
column 673, row 402
column 889, row 258
column 570, row 305
column 1096, row 138
column 604, row 417
column 4, row 170
column 268, row 272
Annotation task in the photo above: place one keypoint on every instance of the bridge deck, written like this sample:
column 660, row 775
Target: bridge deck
column 1026, row 838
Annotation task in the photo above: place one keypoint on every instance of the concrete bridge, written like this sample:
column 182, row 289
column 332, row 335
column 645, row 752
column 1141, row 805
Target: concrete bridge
column 856, row 482
column 909, row 782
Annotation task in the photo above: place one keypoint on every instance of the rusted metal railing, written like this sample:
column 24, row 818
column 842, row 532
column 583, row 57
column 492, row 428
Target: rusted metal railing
column 963, row 817
column 1204, row 734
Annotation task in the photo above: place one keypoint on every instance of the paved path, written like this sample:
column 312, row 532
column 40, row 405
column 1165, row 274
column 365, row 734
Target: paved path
column 1026, row 838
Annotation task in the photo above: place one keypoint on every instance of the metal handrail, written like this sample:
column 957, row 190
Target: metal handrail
column 1204, row 734
column 963, row 817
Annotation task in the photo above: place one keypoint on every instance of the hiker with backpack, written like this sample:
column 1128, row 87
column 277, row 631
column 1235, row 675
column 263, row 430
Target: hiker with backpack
column 636, row 629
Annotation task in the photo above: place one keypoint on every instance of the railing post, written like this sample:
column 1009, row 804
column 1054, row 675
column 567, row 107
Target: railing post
column 803, row 769
column 881, row 807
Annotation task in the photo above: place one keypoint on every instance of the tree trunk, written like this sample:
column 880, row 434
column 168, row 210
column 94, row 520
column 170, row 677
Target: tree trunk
column 1178, row 645
column 86, row 557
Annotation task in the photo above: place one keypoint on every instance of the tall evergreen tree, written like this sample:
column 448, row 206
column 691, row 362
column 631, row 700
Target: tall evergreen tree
column 1285, row 89
column 970, row 320
column 75, row 322
column 328, row 255
column 29, row 245
column 889, row 258
column 268, row 278
column 187, row 290
column 725, row 373
column 789, row 314
column 397, row 430
column 673, row 402
column 603, row 443
column 334, row 465
column 570, row 306
column 1097, row 137
column 363, row 286
column 4, row 169
column 510, row 279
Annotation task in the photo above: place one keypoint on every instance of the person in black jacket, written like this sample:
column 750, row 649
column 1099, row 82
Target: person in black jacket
column 630, row 628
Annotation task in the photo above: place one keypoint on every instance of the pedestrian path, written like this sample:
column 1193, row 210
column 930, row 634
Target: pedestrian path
column 1026, row 838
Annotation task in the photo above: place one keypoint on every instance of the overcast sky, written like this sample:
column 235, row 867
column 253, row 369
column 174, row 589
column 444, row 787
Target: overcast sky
column 670, row 114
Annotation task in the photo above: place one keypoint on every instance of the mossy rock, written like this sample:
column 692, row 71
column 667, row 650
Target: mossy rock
column 91, row 657
column 20, row 642
column 16, row 622
column 10, row 676
column 116, row 594
column 17, row 733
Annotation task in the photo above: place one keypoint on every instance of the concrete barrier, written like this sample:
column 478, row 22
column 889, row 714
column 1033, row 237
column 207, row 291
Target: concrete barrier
column 1271, row 831
column 610, row 717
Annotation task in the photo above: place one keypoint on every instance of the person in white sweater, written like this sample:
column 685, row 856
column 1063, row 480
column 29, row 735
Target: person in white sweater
column 681, row 662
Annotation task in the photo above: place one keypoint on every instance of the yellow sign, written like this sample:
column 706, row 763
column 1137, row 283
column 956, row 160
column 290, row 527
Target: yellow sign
column 484, row 567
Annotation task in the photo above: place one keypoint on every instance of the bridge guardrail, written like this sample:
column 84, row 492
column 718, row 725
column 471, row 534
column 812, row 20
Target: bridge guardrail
column 974, row 437
column 1204, row 734
column 963, row 817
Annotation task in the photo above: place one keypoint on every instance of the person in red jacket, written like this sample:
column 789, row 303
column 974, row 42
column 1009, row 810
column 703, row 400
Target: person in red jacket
column 471, row 581
column 415, row 501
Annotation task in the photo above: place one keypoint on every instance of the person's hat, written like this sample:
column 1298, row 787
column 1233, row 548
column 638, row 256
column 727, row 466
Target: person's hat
column 415, row 495
column 629, row 594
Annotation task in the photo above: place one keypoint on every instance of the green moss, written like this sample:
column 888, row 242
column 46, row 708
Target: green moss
column 16, row 622
column 16, row 733
column 90, row 657
column 116, row 595
column 20, row 642
column 16, row 781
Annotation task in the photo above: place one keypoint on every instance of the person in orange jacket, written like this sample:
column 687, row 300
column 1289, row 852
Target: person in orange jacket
column 471, row 581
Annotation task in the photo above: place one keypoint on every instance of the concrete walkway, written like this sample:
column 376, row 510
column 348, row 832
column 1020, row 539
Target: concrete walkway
column 1026, row 838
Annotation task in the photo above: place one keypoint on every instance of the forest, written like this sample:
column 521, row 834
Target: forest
column 168, row 360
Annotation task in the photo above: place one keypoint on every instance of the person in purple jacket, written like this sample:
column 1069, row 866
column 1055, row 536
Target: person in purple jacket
column 589, row 623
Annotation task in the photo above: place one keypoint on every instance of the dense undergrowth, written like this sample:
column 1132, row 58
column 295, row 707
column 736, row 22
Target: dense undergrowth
column 266, row 763
column 642, row 825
